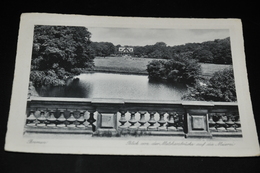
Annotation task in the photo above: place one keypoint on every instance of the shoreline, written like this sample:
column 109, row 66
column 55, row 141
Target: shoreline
column 118, row 72
column 133, row 72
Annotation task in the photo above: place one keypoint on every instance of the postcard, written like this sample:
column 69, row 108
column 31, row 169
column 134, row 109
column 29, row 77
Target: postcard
column 130, row 86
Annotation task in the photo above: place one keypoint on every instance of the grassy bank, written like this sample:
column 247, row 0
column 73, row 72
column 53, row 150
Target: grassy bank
column 138, row 65
column 209, row 69
column 121, row 64
column 121, row 70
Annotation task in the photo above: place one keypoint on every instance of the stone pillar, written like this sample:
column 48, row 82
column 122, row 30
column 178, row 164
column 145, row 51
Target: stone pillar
column 197, row 122
column 107, row 116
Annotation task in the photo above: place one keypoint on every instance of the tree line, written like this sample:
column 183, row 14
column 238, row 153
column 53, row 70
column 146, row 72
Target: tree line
column 217, row 51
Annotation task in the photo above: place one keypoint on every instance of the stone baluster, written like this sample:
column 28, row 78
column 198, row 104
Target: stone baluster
column 161, row 121
column 71, row 120
column 230, row 123
column 42, row 119
column 179, row 121
column 31, row 119
column 61, row 120
column 132, row 120
column 81, row 120
column 170, row 122
column 142, row 121
column 237, row 123
column 91, row 120
column 220, row 124
column 122, row 119
column 51, row 119
column 212, row 123
column 152, row 121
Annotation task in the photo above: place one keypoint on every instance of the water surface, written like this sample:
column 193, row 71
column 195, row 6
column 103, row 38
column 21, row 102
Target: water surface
column 111, row 85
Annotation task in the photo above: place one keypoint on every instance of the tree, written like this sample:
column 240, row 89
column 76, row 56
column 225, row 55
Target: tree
column 203, row 55
column 139, row 51
column 156, row 70
column 59, row 51
column 61, row 46
column 222, row 51
column 159, row 50
column 160, row 44
column 103, row 48
column 220, row 87
column 182, row 70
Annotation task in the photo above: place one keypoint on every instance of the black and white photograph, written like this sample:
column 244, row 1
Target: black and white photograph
column 130, row 85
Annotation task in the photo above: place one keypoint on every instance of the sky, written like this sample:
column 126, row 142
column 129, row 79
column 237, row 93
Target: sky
column 143, row 36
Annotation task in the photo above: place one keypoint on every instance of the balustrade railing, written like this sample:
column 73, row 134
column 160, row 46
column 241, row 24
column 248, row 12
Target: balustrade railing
column 123, row 117
column 224, row 123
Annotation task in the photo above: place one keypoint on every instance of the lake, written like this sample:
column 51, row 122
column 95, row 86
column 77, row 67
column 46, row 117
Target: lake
column 113, row 85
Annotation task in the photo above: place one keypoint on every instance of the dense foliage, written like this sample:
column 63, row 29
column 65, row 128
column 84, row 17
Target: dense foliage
column 59, row 52
column 217, row 51
column 178, row 70
column 158, row 50
column 220, row 87
column 103, row 48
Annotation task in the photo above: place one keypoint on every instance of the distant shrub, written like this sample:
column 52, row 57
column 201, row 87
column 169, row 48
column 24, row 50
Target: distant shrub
column 182, row 70
column 156, row 69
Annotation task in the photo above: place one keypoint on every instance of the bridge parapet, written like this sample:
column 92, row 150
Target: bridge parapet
column 118, row 117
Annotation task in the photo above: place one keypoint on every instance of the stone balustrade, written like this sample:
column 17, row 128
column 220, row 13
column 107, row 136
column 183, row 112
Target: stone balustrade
column 132, row 117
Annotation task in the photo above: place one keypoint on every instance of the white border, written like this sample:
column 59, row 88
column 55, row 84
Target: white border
column 247, row 146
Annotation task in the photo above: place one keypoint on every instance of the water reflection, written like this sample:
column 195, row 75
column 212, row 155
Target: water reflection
column 110, row 85
column 163, row 90
column 72, row 89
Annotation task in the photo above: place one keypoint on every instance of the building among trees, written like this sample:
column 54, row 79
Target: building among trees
column 126, row 50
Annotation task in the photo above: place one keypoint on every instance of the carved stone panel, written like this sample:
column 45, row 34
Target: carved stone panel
column 107, row 120
column 198, row 122
column 106, row 124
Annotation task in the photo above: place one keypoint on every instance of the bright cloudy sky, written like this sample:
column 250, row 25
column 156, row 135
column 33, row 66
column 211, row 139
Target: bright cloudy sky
column 142, row 37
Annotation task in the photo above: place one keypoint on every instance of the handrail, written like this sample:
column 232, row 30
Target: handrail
column 126, row 101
